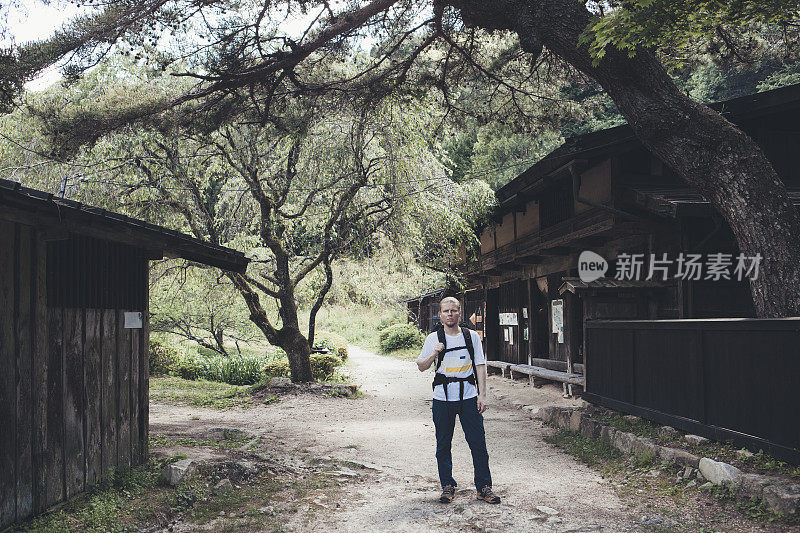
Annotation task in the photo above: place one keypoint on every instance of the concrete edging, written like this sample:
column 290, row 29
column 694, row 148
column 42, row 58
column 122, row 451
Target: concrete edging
column 781, row 496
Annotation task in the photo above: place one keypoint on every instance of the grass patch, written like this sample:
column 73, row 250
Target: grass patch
column 641, row 478
column 137, row 500
column 642, row 428
column 761, row 462
column 115, row 504
column 179, row 391
column 590, row 451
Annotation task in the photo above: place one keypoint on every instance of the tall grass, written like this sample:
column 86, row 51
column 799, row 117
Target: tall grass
column 236, row 369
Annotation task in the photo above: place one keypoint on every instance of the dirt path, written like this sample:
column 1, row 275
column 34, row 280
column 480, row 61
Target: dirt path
column 390, row 430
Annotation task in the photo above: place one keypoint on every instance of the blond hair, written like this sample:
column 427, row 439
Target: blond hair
column 450, row 299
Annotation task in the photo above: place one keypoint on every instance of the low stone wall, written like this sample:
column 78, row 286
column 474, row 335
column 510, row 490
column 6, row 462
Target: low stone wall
column 781, row 496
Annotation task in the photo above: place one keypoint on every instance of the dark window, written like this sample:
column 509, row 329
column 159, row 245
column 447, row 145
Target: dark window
column 96, row 274
column 556, row 205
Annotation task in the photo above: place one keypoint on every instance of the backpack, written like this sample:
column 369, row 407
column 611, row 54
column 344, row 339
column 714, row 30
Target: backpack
column 441, row 379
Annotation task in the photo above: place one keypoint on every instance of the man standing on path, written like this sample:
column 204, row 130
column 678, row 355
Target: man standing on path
column 456, row 392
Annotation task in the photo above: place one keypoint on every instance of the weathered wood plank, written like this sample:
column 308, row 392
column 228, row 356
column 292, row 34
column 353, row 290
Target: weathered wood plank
column 109, row 391
column 54, row 456
column 40, row 359
column 135, row 351
column 552, row 375
column 73, row 401
column 92, row 361
column 7, row 375
column 124, row 412
column 23, row 304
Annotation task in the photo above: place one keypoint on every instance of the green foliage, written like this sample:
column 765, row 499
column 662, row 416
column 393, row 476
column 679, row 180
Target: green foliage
column 324, row 365
column 279, row 368
column 336, row 344
column 236, row 369
column 682, row 29
column 501, row 154
column 399, row 336
column 163, row 358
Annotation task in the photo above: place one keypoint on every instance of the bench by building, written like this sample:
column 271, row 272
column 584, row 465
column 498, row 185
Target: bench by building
column 74, row 334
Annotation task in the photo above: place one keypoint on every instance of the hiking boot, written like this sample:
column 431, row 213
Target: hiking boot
column 487, row 495
column 448, row 493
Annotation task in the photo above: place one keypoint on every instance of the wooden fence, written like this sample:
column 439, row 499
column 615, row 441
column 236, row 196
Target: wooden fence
column 726, row 379
column 73, row 379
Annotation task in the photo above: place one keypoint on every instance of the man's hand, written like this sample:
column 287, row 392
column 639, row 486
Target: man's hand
column 482, row 403
column 426, row 363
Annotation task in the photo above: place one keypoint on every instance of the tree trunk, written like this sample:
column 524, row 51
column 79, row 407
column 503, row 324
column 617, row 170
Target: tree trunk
column 710, row 153
column 298, row 351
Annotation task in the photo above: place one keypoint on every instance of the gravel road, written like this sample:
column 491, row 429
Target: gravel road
column 390, row 430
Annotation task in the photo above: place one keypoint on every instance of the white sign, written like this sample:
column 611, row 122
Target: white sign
column 524, row 312
column 505, row 334
column 591, row 266
column 558, row 315
column 133, row 320
column 508, row 319
column 511, row 335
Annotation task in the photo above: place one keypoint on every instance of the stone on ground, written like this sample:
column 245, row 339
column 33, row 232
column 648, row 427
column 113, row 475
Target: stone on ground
column 280, row 383
column 223, row 486
column 177, row 472
column 695, row 439
column 718, row 472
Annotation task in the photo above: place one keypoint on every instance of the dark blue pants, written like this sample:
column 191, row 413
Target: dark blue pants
column 444, row 418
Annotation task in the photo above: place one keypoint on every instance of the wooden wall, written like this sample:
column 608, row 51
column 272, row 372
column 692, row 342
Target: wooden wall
column 726, row 379
column 73, row 383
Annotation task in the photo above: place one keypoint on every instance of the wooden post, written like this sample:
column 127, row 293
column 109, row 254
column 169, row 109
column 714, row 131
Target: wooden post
column 569, row 301
column 530, row 321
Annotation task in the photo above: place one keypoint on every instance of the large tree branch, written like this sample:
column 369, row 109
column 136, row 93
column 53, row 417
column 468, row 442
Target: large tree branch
column 286, row 61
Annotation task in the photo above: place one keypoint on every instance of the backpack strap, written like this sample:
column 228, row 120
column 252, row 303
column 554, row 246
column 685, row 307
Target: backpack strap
column 471, row 349
column 443, row 340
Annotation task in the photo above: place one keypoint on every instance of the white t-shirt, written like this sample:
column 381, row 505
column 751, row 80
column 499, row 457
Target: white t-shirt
column 456, row 363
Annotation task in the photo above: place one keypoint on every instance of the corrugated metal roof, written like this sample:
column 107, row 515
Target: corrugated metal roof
column 575, row 284
column 53, row 209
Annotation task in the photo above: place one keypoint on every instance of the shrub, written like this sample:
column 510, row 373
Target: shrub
column 206, row 352
column 278, row 368
column 399, row 336
column 187, row 366
column 163, row 358
column 236, row 369
column 391, row 320
column 333, row 342
column 323, row 365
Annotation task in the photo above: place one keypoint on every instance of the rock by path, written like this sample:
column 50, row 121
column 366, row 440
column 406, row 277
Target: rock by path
column 390, row 429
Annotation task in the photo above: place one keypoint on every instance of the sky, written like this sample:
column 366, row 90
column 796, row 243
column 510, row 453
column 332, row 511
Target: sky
column 32, row 21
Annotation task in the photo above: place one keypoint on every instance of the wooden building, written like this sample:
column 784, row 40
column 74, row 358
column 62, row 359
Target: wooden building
column 423, row 310
column 604, row 192
column 73, row 343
